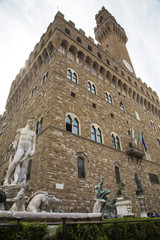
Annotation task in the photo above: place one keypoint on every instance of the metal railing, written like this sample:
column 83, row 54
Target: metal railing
column 64, row 224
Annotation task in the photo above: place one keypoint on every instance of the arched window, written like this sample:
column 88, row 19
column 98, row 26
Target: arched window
column 113, row 141
column 74, row 78
column 93, row 89
column 153, row 126
column 69, row 74
column 75, row 126
column 68, row 123
column 117, row 143
column 99, row 137
column 117, row 175
column 158, row 142
column 72, row 125
column 81, row 169
column 121, row 106
column 93, row 133
column 89, row 87
column 108, row 98
column 45, row 76
column 96, row 134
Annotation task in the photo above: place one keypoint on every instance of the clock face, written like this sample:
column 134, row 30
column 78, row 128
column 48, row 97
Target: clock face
column 127, row 65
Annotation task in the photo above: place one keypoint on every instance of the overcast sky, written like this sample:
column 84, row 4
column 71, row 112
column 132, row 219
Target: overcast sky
column 22, row 23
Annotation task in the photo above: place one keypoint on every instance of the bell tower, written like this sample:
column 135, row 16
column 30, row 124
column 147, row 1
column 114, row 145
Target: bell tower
column 113, row 38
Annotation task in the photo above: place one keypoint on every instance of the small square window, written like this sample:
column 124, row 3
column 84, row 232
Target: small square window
column 127, row 122
column 112, row 115
column 73, row 94
column 93, row 105
column 129, row 133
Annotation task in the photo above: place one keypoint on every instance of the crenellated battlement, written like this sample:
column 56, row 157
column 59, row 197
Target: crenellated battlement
column 99, row 57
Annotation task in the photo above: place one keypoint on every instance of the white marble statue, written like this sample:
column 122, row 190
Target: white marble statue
column 24, row 146
column 37, row 202
column 19, row 201
column 41, row 200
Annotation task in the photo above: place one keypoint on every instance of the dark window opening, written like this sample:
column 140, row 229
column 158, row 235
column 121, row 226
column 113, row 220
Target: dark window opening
column 107, row 61
column 99, row 55
column 81, row 170
column 68, row 124
column 73, row 94
column 154, row 178
column 112, row 116
column 117, row 175
column 28, row 176
column 79, row 40
column 93, row 105
column 89, row 48
column 67, row 31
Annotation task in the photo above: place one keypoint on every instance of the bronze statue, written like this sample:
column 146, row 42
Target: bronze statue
column 139, row 190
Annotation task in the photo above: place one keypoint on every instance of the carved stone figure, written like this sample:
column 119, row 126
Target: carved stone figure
column 120, row 191
column 102, row 204
column 109, row 210
column 24, row 146
column 41, row 200
column 50, row 202
column 139, row 190
column 19, row 204
column 100, row 193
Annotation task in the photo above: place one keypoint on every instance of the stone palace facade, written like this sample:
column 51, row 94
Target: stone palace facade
column 88, row 104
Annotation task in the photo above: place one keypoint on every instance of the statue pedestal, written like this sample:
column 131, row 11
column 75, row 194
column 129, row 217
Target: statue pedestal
column 142, row 205
column 11, row 192
column 98, row 205
column 124, row 207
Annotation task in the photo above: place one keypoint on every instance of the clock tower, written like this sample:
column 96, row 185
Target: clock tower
column 113, row 39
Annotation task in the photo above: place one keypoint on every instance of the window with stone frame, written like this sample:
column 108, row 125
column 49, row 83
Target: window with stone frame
column 45, row 76
column 154, row 178
column 152, row 125
column 96, row 134
column 72, row 124
column 158, row 142
column 115, row 141
column 33, row 92
column 91, row 87
column 108, row 97
column 121, row 106
column 71, row 75
column 117, row 174
column 81, row 168
column 137, row 116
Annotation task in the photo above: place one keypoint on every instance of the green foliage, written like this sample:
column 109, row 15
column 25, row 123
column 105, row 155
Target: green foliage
column 126, row 231
column 28, row 231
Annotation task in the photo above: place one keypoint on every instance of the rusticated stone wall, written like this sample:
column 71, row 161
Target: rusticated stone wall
column 54, row 165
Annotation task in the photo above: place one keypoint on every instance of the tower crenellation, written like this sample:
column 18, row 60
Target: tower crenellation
column 85, row 98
